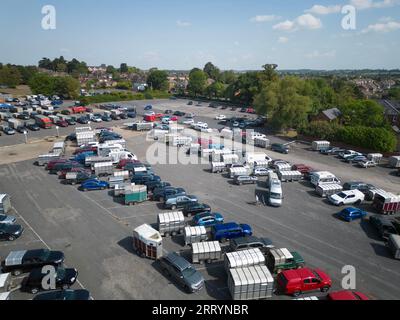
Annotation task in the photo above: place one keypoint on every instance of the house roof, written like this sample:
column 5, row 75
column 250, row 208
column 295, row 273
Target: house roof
column 332, row 113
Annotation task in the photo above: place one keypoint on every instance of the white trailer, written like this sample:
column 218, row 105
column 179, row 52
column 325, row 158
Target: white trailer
column 375, row 157
column 174, row 128
column 103, row 150
column 217, row 154
column 5, row 203
column 180, row 141
column 194, row 148
column 290, row 176
column 147, row 242
column 124, row 174
column 239, row 171
column 121, row 155
column 280, row 167
column 262, row 164
column 44, row 159
column 207, row 251
column 230, row 158
column 252, row 157
column 115, row 181
column 58, row 148
column 226, row 133
column 121, row 142
column 103, row 169
column 325, row 190
column 261, row 142
column 142, row 126
column 158, row 134
column 195, row 234
column 90, row 161
column 320, row 145
column 14, row 123
column 244, row 258
column 85, row 137
column 82, row 129
column 393, row 244
column 250, row 283
column 218, row 167
column 170, row 223
column 120, row 189
column 394, row 162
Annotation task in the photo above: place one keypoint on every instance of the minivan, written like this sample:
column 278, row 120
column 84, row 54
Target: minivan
column 275, row 194
column 278, row 147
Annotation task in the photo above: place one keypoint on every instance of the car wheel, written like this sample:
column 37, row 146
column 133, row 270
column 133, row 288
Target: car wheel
column 166, row 272
column 187, row 289
column 34, row 290
column 325, row 289
column 84, row 189
column 173, row 207
column 296, row 293
column 17, row 272
column 11, row 238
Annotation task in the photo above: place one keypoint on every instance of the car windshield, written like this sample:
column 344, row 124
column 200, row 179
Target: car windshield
column 341, row 195
column 274, row 195
column 61, row 273
column 44, row 255
column 188, row 272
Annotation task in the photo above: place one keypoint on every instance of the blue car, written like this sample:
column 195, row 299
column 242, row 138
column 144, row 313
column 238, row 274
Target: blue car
column 149, row 107
column 350, row 214
column 82, row 156
column 226, row 231
column 208, row 219
column 94, row 184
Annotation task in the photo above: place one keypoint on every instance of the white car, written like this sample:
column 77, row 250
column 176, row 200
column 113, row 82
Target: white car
column 96, row 119
column 187, row 121
column 347, row 197
column 261, row 171
column 220, row 117
column 367, row 164
column 349, row 153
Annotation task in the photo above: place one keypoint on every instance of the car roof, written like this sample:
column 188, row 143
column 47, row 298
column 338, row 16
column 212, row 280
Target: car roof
column 246, row 240
column 177, row 261
column 225, row 226
column 298, row 274
column 347, row 295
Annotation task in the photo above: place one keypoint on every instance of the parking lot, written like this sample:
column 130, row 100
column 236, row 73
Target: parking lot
column 94, row 231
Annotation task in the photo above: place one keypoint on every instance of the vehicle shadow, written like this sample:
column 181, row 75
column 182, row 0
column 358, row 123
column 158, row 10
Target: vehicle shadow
column 381, row 250
column 179, row 240
column 119, row 200
column 306, row 183
column 312, row 193
column 394, row 173
column 369, row 230
column 126, row 244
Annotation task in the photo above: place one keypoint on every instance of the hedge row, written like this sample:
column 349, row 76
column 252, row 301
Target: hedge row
column 125, row 96
column 379, row 139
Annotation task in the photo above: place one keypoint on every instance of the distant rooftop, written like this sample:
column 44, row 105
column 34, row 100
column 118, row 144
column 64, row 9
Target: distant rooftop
column 332, row 113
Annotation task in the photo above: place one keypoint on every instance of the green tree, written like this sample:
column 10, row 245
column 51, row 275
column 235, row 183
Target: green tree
column 123, row 68
column 158, row 80
column 10, row 76
column 67, row 87
column 228, row 77
column 212, row 71
column 197, row 82
column 124, row 85
column 394, row 93
column 215, row 90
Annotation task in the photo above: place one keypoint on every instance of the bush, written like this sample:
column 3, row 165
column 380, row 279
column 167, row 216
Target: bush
column 125, row 96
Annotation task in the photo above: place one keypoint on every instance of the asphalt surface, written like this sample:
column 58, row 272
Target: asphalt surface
column 94, row 230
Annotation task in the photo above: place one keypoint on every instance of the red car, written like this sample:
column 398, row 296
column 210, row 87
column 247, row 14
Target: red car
column 347, row 295
column 251, row 110
column 85, row 149
column 302, row 168
column 78, row 109
column 52, row 163
column 123, row 162
column 174, row 118
column 62, row 123
column 295, row 282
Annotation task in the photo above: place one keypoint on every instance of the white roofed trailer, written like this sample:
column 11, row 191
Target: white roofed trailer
column 195, row 234
column 394, row 162
column 85, row 137
column 244, row 258
column 320, row 145
column 206, row 251
column 261, row 142
column 250, row 283
column 90, row 161
column 44, row 159
column 5, row 203
column 230, row 158
column 171, row 223
column 218, row 167
column 375, row 157
column 103, row 168
column 147, row 242
column 290, row 176
column 326, row 190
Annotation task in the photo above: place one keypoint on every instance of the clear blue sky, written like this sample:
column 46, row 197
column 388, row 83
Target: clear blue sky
column 181, row 34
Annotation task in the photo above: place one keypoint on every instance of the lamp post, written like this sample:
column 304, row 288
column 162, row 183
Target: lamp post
column 89, row 122
column 26, row 136
column 58, row 133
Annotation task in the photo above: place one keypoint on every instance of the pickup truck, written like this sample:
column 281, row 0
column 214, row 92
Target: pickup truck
column 161, row 194
column 226, row 231
column 283, row 259
column 180, row 201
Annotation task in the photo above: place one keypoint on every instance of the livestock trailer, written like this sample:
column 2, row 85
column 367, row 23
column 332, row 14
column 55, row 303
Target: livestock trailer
column 326, row 190
column 171, row 223
column 394, row 245
column 206, row 251
column 194, row 234
column 244, row 258
column 147, row 242
column 5, row 203
column 135, row 195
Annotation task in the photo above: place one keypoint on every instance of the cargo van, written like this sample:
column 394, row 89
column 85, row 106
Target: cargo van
column 323, row 177
column 275, row 194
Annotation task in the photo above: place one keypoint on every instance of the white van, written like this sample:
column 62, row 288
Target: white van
column 323, row 177
column 275, row 194
column 5, row 203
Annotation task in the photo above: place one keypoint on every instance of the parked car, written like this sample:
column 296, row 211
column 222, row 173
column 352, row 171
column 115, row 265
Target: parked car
column 226, row 231
column 179, row 113
column 240, row 180
column 367, row 164
column 9, row 131
column 33, row 127
column 190, row 103
column 83, row 120
column 347, row 197
column 176, row 267
column 178, row 201
column 250, row 242
column 220, row 117
column 356, row 159
column 295, row 282
column 10, row 232
column 261, row 171
column 332, row 151
column 71, row 122
column 193, row 208
column 93, row 184
column 106, row 118
column 69, row 294
column 62, row 123
column 131, row 114
column 349, row 153
column 152, row 185
column 149, row 107
column 18, row 262
column 160, row 194
column 6, row 219
column 350, row 214
column 64, row 278
column 385, row 226
column 143, row 178
column 281, row 148
column 362, row 186
column 208, row 219
column 345, row 295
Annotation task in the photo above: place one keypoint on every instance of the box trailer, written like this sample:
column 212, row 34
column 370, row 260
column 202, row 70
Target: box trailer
column 14, row 123
column 262, row 142
column 135, row 195
column 120, row 189
column 250, row 283
column 218, row 167
column 122, row 174
column 207, row 251
column 121, row 142
column 90, row 161
column 239, row 171
column 82, row 129
column 180, row 141
column 194, row 148
column 320, row 145
column 159, row 134
column 115, row 181
column 5, row 203
column 230, row 159
column 194, row 234
column 147, row 242
column 326, row 190
column 142, row 126
column 85, row 137
column 226, row 134
column 376, row 157
column 252, row 157
column 290, row 175
column 58, row 148
column 44, row 159
column 43, row 122
column 170, row 223
column 394, row 162
column 103, row 169
column 244, row 258
column 386, row 203
column 393, row 244
column 5, row 285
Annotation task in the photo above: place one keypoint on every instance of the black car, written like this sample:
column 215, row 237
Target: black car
column 250, row 242
column 131, row 114
column 71, row 122
column 243, row 110
column 123, row 116
column 22, row 261
column 115, row 117
column 71, row 137
column 33, row 127
column 106, row 118
column 179, row 113
column 23, row 116
column 64, row 278
column 10, row 232
column 164, row 193
column 21, row 129
column 143, row 178
column 153, row 184
column 65, row 166
column 332, row 151
column 194, row 208
column 190, row 103
column 385, row 226
column 83, row 120
column 64, row 295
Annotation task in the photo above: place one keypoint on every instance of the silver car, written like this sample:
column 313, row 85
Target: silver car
column 7, row 219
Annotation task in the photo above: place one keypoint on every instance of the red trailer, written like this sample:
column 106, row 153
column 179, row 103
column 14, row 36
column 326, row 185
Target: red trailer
column 386, row 203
